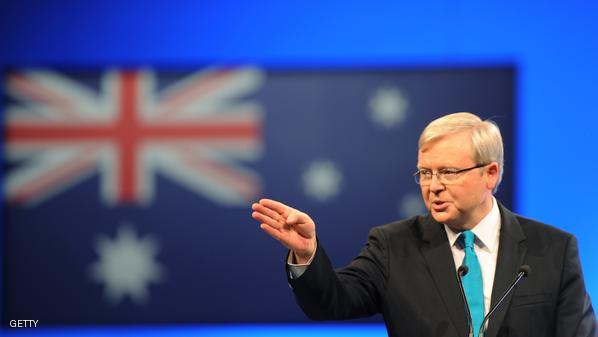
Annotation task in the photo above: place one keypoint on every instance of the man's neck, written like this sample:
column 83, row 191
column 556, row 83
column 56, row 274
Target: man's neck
column 476, row 218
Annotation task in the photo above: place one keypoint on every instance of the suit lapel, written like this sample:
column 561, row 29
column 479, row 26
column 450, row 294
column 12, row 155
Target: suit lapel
column 511, row 254
column 440, row 262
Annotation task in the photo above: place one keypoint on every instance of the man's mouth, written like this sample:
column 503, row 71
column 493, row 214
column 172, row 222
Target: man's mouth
column 439, row 205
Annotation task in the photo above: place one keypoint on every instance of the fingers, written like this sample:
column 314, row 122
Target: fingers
column 292, row 228
column 265, row 219
column 279, row 212
column 267, row 212
column 276, row 206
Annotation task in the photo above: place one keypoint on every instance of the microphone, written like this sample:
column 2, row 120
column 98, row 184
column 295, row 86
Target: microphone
column 462, row 271
column 524, row 271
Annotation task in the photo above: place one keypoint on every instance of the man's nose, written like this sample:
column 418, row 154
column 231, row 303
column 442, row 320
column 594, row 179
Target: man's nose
column 435, row 185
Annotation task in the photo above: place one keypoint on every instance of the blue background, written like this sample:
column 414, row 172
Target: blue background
column 553, row 46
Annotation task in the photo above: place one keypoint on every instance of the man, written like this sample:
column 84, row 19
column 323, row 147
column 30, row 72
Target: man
column 407, row 269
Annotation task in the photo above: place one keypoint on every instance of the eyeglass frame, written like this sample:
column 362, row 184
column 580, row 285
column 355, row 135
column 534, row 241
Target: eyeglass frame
column 417, row 174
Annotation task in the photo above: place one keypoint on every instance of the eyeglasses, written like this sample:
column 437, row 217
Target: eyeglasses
column 446, row 176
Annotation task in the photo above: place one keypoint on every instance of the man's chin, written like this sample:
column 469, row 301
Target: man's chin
column 447, row 219
column 442, row 217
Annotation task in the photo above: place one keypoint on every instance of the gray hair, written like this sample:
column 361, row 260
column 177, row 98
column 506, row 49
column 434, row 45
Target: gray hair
column 485, row 137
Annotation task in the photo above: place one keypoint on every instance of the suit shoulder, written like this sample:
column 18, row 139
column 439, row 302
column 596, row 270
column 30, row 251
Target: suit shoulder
column 406, row 227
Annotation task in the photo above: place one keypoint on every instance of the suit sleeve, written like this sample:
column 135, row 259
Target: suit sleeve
column 575, row 315
column 350, row 292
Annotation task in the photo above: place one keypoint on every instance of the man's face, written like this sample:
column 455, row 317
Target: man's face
column 464, row 202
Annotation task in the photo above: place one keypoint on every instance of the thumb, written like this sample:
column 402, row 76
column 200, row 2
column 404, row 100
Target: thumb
column 293, row 218
column 301, row 223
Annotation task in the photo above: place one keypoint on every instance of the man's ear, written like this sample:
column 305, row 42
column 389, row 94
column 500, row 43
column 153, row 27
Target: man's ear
column 492, row 174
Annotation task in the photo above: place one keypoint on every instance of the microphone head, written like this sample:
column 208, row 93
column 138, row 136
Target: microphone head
column 462, row 270
column 525, row 269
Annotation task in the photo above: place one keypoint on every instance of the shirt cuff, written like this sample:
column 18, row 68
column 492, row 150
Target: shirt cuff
column 297, row 269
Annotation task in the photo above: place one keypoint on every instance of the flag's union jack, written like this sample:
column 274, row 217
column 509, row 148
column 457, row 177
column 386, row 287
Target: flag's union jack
column 194, row 131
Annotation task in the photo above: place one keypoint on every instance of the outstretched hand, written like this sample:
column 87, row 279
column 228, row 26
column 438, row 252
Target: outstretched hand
column 293, row 228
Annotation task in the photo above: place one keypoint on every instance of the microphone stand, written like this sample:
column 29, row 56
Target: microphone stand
column 462, row 271
column 523, row 272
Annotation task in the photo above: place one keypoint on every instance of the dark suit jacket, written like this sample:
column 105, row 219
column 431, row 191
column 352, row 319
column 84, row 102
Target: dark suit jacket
column 406, row 272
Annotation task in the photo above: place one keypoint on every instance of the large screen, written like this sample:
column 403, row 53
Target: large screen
column 128, row 192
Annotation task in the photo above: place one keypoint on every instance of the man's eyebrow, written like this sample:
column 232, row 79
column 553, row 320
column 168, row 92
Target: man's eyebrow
column 440, row 168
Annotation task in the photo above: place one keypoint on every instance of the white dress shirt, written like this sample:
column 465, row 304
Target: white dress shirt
column 487, row 234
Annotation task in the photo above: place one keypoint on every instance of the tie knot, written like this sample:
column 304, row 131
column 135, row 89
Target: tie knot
column 467, row 238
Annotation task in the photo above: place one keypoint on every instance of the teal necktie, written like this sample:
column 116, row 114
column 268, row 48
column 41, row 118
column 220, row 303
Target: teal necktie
column 472, row 282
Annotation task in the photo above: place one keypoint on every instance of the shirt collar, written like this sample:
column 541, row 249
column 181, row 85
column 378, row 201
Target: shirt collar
column 486, row 231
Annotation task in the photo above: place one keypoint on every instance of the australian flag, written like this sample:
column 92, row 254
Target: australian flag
column 127, row 192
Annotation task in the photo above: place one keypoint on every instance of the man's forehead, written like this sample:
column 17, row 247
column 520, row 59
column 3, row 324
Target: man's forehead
column 445, row 153
column 461, row 138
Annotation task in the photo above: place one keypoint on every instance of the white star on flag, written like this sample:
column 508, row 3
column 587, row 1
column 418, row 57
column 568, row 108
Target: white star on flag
column 322, row 180
column 388, row 107
column 127, row 265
